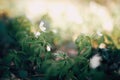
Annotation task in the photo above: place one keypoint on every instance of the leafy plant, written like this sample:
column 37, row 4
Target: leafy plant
column 30, row 55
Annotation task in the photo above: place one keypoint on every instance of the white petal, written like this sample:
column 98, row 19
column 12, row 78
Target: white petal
column 95, row 61
column 102, row 45
column 41, row 23
column 37, row 34
column 41, row 26
column 48, row 48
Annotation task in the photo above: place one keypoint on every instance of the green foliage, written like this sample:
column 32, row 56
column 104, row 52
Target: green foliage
column 27, row 56
column 84, row 45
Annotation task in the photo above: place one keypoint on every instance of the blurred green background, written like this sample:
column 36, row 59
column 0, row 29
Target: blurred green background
column 71, row 17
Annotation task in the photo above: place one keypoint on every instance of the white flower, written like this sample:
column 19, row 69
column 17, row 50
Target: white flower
column 37, row 34
column 41, row 26
column 99, row 33
column 48, row 48
column 95, row 61
column 102, row 45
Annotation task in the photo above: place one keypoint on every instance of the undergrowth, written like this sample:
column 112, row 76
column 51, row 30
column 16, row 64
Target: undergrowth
column 28, row 52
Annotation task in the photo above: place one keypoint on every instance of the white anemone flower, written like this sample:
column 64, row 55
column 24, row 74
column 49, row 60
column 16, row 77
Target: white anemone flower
column 95, row 61
column 37, row 34
column 48, row 48
column 41, row 26
column 102, row 45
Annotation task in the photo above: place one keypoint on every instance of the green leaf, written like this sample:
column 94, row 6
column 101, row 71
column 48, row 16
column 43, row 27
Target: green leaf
column 23, row 74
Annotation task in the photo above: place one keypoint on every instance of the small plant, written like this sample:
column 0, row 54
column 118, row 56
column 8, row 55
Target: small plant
column 30, row 54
